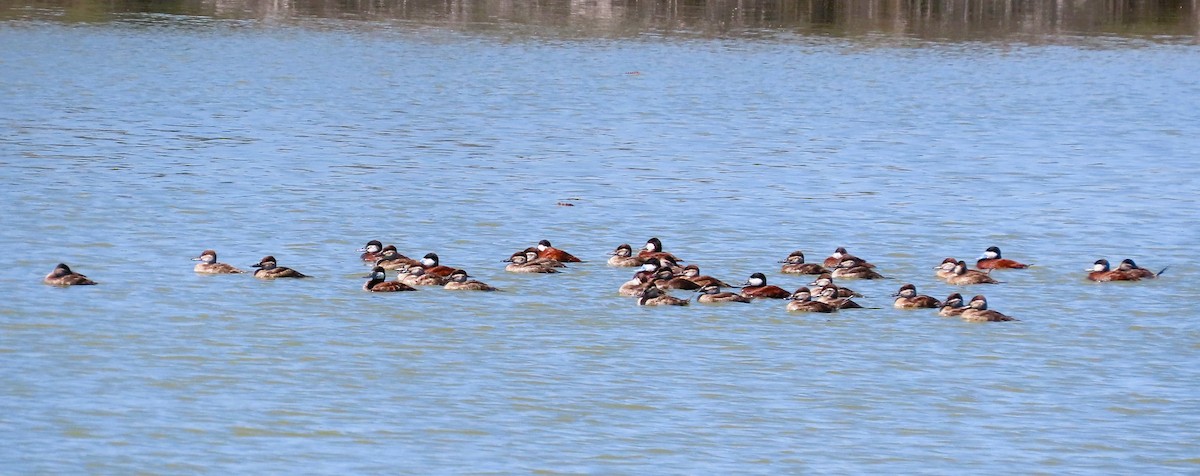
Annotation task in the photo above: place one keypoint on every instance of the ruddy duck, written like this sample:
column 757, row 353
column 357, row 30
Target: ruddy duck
column 654, row 249
column 802, row 302
column 545, row 250
column 711, row 293
column 1127, row 266
column 1126, row 271
column 208, row 264
column 652, row 296
column 378, row 282
column 794, row 264
column 371, row 251
column 418, row 276
column 963, row 276
column 430, row 263
column 851, row 268
column 839, row 255
column 757, row 287
column 952, row 306
column 622, row 257
column 532, row 257
column 63, row 276
column 991, row 260
column 269, row 269
column 829, row 295
column 518, row 263
column 946, row 269
column 977, row 311
column 692, row 272
column 907, row 298
column 636, row 285
column 825, row 280
column 389, row 258
column 458, row 282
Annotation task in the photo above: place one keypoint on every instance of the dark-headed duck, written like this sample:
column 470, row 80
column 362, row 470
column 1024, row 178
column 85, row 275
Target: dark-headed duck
column 991, row 260
column 652, row 296
column 851, row 268
column 839, row 255
column 63, row 276
column 654, row 249
column 389, row 258
column 830, row 295
column 432, row 266
column 757, row 287
column 371, row 251
column 952, row 306
column 208, row 264
column 378, row 283
column 268, row 268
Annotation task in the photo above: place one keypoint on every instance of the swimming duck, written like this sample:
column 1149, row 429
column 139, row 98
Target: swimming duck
column 518, row 263
column 952, row 306
column 692, row 272
column 850, row 268
column 757, row 287
column 907, row 298
column 622, row 257
column 208, row 264
column 457, row 281
column 826, row 279
column 418, row 276
column 991, row 260
column 963, row 276
column 270, row 269
column 839, row 255
column 391, row 259
column 801, row 301
column 63, row 276
column 794, row 264
column 371, row 251
column 711, row 293
column 652, row 296
column 545, row 250
column 654, row 249
column 977, row 311
column 377, row 282
column 946, row 269
column 829, row 295
column 431, row 265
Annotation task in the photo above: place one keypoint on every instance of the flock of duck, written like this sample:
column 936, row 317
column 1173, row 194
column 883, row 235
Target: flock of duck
column 659, row 272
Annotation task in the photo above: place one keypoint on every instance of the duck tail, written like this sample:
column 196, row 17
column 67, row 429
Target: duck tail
column 1160, row 272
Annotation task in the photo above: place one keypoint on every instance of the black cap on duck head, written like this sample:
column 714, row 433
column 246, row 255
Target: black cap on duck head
column 992, row 252
column 377, row 273
column 710, row 288
column 654, row 244
column 1127, row 264
column 372, row 244
column 651, row 292
column 955, row 297
column 906, row 287
column 757, row 279
column 801, row 293
column 62, row 269
column 544, row 243
column 979, row 302
column 263, row 262
column 430, row 259
column 841, row 250
column 1100, row 265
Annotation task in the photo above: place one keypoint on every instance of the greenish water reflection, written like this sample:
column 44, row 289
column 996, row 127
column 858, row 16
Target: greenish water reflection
column 929, row 19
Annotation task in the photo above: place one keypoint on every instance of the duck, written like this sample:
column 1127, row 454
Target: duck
column 963, row 276
column 794, row 264
column 839, row 255
column 546, row 250
column 518, row 263
column 851, row 268
column 371, row 251
column 830, row 295
column 270, row 269
column 391, row 259
column 532, row 257
column 432, row 266
column 946, row 269
column 458, row 281
column 208, row 264
column 801, row 301
column 757, row 287
column 952, row 306
column 377, row 282
column 692, row 272
column 907, row 298
column 652, row 296
column 977, row 311
column 1128, row 267
column 711, row 293
column 63, row 276
column 991, row 259
column 622, row 257
column 418, row 276
column 636, row 285
column 826, row 279
column 654, row 249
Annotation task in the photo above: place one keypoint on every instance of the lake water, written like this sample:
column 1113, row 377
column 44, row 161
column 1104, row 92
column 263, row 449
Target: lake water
column 133, row 140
